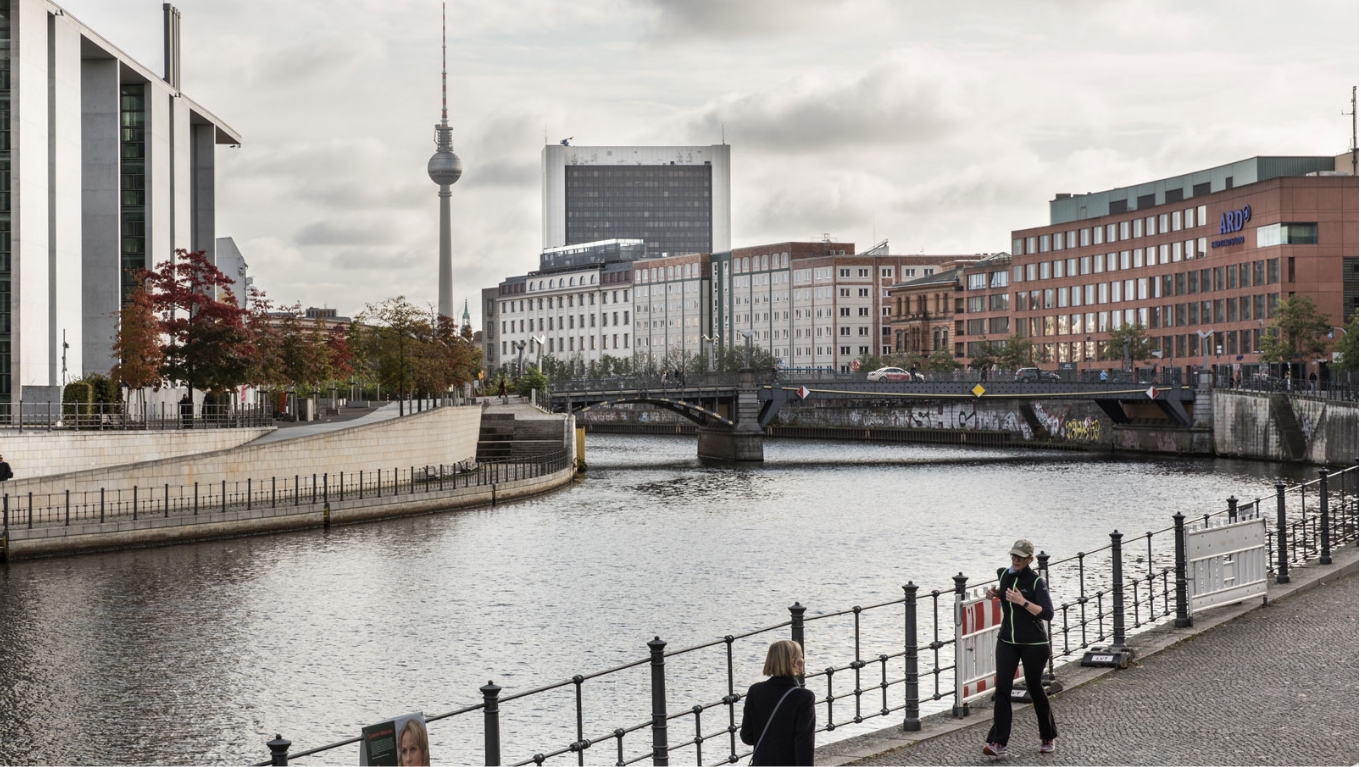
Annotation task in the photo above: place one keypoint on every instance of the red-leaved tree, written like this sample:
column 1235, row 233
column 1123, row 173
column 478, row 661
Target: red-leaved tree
column 208, row 344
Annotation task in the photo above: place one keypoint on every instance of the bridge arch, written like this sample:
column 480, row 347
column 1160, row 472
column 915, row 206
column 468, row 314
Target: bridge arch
column 689, row 410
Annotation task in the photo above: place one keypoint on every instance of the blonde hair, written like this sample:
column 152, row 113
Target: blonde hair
column 417, row 729
column 780, row 658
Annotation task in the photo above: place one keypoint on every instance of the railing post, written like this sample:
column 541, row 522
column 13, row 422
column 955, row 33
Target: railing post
column 134, row 506
column 248, row 493
column 796, row 612
column 960, row 709
column 1043, row 559
column 326, row 487
column 342, row 487
column 1116, row 654
column 1325, row 550
column 491, row 722
column 1233, row 509
column 224, row 496
column 101, row 506
column 1282, row 556
column 1183, row 619
column 278, row 750
column 68, row 506
column 657, row 648
column 911, row 716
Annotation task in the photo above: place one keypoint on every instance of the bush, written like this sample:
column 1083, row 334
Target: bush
column 105, row 390
column 531, row 380
column 76, row 398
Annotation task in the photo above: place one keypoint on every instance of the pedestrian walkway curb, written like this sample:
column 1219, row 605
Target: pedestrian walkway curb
column 1073, row 675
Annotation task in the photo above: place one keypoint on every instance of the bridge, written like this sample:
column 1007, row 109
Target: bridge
column 733, row 411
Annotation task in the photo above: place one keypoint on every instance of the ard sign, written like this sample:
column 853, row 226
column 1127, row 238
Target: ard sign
column 1232, row 221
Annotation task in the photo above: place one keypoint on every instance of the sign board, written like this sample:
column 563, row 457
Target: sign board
column 399, row 741
column 855, row 365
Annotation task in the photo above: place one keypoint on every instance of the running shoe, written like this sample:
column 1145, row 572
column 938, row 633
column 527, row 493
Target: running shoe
column 995, row 749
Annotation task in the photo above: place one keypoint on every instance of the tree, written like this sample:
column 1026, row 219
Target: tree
column 137, row 344
column 1296, row 332
column 1346, row 345
column 1139, row 344
column 267, row 366
column 941, row 361
column 1016, row 352
column 985, row 356
column 208, row 346
column 389, row 343
column 338, row 352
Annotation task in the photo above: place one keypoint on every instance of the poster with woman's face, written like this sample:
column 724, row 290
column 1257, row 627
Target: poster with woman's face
column 400, row 741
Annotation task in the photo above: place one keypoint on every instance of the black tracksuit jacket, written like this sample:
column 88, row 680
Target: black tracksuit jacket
column 1018, row 625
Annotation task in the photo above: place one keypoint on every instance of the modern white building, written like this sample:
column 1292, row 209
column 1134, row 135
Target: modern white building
column 674, row 198
column 108, row 167
column 230, row 262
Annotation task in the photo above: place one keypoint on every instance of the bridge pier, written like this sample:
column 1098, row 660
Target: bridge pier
column 743, row 440
column 721, row 443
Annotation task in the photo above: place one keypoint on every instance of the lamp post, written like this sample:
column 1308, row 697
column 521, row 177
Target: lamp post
column 709, row 340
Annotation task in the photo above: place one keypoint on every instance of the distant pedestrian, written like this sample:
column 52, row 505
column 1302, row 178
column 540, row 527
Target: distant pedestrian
column 1103, row 375
column 1021, row 639
column 6, row 474
column 187, row 411
column 505, row 400
column 1313, row 381
column 778, row 718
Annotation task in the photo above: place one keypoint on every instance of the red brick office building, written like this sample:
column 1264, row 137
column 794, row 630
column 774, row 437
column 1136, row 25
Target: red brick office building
column 1210, row 251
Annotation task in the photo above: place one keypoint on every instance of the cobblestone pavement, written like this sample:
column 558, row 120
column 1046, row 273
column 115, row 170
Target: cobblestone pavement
column 1275, row 686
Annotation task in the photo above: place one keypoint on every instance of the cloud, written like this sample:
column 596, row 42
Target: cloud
column 903, row 98
column 684, row 19
column 348, row 231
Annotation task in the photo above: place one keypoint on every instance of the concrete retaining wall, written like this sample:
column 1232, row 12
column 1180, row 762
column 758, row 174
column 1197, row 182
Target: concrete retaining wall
column 1245, row 428
column 57, row 539
column 45, row 453
column 443, row 435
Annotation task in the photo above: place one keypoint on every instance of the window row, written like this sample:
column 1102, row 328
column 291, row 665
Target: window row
column 1163, row 223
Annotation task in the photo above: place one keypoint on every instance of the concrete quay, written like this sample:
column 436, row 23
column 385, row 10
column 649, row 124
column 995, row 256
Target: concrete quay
column 1247, row 684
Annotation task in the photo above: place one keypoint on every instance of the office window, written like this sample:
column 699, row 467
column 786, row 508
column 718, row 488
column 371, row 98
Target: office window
column 1273, row 271
column 1163, row 223
column 1124, row 259
column 1124, row 230
column 1031, row 272
column 1044, row 243
column 1138, row 227
column 1044, row 270
column 1176, row 221
column 1085, row 237
column 1138, row 258
column 1097, row 236
column 1058, row 269
column 1072, row 239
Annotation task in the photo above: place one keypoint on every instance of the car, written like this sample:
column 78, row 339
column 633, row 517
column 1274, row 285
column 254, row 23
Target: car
column 1037, row 375
column 895, row 375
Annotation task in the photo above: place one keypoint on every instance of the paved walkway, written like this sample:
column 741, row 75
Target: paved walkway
column 1274, row 685
column 307, row 429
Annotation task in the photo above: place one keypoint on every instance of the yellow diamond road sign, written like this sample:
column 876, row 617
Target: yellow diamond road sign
column 978, row 390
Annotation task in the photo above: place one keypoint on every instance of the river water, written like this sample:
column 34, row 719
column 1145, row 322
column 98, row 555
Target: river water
column 201, row 653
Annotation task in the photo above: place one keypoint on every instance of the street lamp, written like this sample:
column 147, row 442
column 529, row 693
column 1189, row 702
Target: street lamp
column 710, row 340
column 746, row 359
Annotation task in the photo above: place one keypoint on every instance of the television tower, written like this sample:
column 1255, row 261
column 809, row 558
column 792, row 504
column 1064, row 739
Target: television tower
column 445, row 169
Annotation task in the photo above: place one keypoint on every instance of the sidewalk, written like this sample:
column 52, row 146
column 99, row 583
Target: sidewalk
column 345, row 421
column 1248, row 684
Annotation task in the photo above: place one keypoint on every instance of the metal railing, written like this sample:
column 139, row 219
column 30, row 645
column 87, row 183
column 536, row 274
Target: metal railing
column 1332, row 388
column 105, row 416
column 30, row 510
column 890, row 670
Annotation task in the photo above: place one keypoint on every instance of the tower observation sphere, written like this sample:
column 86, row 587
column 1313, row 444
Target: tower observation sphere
column 445, row 168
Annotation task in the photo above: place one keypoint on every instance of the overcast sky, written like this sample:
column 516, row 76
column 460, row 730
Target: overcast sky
column 940, row 126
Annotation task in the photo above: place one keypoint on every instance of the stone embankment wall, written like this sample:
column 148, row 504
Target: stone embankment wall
column 1282, row 427
column 45, row 453
column 441, row 436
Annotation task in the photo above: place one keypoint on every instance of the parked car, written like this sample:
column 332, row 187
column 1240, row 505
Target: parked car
column 894, row 375
column 1037, row 375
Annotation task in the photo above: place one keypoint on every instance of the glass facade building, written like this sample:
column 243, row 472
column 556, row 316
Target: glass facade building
column 132, row 171
column 669, row 207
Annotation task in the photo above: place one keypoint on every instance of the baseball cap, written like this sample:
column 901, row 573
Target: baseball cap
column 1023, row 548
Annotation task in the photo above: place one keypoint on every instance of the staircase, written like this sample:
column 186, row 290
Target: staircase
column 1288, row 427
column 503, row 437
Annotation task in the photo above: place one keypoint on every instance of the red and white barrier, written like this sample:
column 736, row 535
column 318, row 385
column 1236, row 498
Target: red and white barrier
column 978, row 619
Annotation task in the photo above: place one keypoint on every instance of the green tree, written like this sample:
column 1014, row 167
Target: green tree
column 985, row 356
column 395, row 327
column 1296, row 333
column 1139, row 345
column 941, row 361
column 1016, row 352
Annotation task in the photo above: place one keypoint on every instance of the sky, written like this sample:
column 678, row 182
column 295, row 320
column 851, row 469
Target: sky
column 939, row 126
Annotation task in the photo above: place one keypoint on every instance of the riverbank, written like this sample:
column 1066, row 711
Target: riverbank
column 1283, row 675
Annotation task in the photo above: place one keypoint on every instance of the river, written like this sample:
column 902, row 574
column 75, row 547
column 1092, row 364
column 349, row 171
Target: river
column 202, row 652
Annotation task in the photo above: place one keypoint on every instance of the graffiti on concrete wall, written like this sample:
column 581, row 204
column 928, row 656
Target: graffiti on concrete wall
column 966, row 416
column 1086, row 430
column 1063, row 423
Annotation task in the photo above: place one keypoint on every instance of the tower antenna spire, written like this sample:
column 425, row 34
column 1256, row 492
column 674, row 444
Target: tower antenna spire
column 444, row 63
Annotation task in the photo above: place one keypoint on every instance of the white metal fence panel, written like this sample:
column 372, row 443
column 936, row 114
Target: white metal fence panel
column 1226, row 561
column 978, row 619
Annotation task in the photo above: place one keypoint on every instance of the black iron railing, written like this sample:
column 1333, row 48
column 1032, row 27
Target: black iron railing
column 914, row 669
column 104, row 416
column 109, row 505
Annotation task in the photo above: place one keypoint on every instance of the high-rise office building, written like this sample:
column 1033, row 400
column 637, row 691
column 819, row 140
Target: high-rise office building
column 107, row 167
column 674, row 198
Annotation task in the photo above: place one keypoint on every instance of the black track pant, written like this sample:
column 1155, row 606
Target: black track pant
column 1032, row 657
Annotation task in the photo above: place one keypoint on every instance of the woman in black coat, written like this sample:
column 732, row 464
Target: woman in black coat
column 778, row 717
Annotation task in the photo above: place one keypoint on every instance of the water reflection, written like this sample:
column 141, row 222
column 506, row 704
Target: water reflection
column 202, row 652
